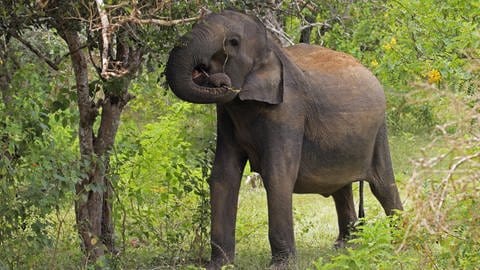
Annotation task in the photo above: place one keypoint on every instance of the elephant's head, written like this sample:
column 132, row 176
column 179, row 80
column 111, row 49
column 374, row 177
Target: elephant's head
column 225, row 53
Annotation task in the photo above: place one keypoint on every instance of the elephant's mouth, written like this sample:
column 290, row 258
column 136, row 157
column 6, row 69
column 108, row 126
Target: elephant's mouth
column 202, row 76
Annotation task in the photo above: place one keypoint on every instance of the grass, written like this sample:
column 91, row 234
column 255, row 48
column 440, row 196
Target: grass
column 315, row 228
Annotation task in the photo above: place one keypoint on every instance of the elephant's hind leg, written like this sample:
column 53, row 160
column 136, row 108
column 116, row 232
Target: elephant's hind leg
column 382, row 180
column 345, row 213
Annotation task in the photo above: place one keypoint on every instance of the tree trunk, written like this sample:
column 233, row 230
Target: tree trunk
column 89, row 190
column 117, row 97
column 94, row 192
column 307, row 32
column 5, row 78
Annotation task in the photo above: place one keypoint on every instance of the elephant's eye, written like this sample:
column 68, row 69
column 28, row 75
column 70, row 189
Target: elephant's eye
column 233, row 42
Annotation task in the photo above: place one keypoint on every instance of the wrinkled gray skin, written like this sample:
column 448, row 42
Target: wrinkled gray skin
column 309, row 120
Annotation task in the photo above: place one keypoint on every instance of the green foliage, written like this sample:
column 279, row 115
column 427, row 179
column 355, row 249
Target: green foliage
column 443, row 223
column 373, row 248
column 38, row 166
column 163, row 179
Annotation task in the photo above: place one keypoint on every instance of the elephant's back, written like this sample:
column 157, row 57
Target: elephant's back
column 338, row 82
column 317, row 58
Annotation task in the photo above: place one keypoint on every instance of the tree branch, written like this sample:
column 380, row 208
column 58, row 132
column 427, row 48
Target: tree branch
column 281, row 34
column 310, row 25
column 105, row 37
column 60, row 58
column 162, row 22
column 36, row 51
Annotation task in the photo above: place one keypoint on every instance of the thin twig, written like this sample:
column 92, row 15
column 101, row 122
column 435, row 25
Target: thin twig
column 61, row 58
column 314, row 25
column 282, row 34
column 452, row 170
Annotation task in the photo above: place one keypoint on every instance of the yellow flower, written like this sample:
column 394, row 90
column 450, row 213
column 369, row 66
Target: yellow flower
column 388, row 46
column 374, row 63
column 158, row 189
column 393, row 41
column 434, row 76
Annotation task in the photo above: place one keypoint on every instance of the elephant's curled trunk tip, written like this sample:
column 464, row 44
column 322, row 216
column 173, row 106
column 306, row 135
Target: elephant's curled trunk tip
column 190, row 82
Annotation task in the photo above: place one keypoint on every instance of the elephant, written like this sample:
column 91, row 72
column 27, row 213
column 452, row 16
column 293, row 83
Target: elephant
column 307, row 118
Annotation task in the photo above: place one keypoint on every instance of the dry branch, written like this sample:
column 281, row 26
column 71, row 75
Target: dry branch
column 109, row 24
column 445, row 179
column 162, row 22
column 105, row 39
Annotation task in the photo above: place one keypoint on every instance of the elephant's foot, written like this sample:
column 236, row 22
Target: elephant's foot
column 213, row 266
column 282, row 266
column 283, row 263
column 340, row 243
column 347, row 235
column 219, row 264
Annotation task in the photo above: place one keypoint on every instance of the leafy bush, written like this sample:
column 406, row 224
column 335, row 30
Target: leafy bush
column 164, row 187
column 373, row 248
column 38, row 167
column 444, row 191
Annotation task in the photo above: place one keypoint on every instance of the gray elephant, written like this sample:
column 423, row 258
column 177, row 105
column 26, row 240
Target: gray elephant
column 308, row 119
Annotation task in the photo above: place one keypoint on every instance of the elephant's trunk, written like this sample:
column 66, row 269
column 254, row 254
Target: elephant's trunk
column 187, row 76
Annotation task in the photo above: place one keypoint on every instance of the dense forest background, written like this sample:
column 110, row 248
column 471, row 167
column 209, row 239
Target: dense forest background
column 89, row 131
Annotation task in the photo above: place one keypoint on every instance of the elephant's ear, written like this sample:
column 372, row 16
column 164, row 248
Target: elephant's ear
column 265, row 82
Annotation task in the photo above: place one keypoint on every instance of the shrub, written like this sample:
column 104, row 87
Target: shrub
column 444, row 191
column 373, row 247
column 38, row 167
column 164, row 188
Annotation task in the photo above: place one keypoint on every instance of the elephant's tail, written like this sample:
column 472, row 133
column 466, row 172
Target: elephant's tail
column 361, row 211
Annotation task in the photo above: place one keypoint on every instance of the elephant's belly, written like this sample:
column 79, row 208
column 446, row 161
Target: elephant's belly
column 326, row 168
column 326, row 182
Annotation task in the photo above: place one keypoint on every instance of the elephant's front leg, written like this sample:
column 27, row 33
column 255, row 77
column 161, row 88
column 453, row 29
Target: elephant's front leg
column 224, row 187
column 279, row 172
column 280, row 229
